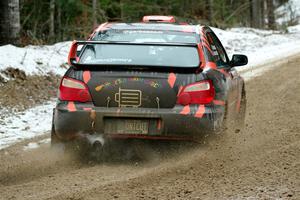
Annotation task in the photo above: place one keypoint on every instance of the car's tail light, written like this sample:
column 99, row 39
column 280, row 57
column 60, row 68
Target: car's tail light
column 197, row 93
column 73, row 90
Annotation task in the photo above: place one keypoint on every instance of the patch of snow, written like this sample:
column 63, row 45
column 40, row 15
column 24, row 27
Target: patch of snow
column 31, row 145
column 294, row 29
column 35, row 145
column 35, row 59
column 260, row 46
column 28, row 124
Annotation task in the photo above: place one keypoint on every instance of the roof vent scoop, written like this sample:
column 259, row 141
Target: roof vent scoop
column 159, row 18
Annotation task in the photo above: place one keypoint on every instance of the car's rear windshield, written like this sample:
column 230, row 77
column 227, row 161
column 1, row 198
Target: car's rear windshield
column 140, row 55
column 146, row 36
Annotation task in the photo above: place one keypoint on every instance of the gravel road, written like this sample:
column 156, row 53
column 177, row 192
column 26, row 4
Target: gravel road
column 260, row 162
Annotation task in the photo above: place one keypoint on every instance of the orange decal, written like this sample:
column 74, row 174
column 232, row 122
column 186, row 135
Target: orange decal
column 204, row 40
column 98, row 88
column 201, row 55
column 185, row 110
column 208, row 48
column 101, row 27
column 71, row 106
column 211, row 65
column 219, row 102
column 87, row 109
column 159, row 124
column 179, row 90
column 172, row 79
column 200, row 112
column 86, row 76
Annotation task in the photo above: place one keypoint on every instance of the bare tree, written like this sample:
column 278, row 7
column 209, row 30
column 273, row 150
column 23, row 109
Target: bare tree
column 257, row 13
column 271, row 15
column 209, row 8
column 51, row 24
column 10, row 21
column 95, row 13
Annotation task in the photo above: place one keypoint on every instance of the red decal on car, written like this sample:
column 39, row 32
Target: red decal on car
column 200, row 112
column 71, row 106
column 185, row 110
column 172, row 79
column 86, row 76
column 219, row 102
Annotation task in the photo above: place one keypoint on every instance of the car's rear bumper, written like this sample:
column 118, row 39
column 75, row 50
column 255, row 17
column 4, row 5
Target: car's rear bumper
column 179, row 123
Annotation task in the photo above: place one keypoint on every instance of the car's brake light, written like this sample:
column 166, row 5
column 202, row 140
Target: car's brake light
column 197, row 93
column 73, row 90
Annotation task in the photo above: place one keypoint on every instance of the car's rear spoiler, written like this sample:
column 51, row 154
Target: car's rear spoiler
column 73, row 56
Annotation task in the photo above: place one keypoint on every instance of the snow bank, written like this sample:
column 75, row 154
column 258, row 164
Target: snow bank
column 35, row 59
column 28, row 124
column 260, row 46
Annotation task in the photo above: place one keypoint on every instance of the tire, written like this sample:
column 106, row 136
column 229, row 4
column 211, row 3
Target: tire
column 220, row 123
column 54, row 138
column 240, row 118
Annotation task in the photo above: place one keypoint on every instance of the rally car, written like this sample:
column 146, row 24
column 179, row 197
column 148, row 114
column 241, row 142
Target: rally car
column 152, row 80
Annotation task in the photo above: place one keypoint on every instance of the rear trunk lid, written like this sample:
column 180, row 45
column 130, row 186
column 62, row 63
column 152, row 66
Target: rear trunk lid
column 136, row 89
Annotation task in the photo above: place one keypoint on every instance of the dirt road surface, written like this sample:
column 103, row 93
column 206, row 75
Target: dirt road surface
column 260, row 162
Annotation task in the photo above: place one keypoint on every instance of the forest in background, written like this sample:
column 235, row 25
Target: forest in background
column 47, row 21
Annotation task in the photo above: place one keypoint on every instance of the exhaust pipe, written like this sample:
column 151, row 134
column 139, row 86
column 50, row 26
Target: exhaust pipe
column 96, row 143
column 95, row 139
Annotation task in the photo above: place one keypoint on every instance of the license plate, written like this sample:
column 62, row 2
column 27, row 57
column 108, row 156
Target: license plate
column 127, row 126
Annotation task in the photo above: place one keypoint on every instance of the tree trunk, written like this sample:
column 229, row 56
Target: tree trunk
column 271, row 16
column 59, row 27
column 256, row 10
column 10, row 21
column 262, row 14
column 51, row 25
column 95, row 13
column 209, row 8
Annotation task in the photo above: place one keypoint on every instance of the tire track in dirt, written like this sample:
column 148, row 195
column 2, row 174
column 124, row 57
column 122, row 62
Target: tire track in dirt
column 259, row 162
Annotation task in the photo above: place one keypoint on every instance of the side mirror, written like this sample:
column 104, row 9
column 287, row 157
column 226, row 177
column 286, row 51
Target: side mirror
column 72, row 58
column 238, row 60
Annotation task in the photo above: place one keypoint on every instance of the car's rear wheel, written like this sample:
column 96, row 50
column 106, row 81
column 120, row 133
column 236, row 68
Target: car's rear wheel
column 240, row 121
column 54, row 138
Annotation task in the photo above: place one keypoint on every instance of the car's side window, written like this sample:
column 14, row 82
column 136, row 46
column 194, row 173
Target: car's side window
column 218, row 51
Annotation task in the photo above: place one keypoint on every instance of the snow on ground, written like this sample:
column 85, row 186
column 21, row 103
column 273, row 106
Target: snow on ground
column 35, row 59
column 260, row 46
column 24, row 125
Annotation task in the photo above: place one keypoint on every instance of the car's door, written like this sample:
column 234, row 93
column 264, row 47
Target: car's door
column 230, row 74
